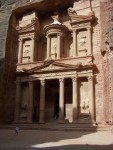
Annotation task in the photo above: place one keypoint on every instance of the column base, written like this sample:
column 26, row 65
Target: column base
column 63, row 121
column 41, row 122
column 16, row 122
column 29, row 122
column 75, row 121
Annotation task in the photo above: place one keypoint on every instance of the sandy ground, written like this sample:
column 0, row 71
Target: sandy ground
column 55, row 140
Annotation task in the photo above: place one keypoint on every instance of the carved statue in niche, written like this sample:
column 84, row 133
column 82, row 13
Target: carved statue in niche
column 82, row 43
column 53, row 47
column 26, row 50
column 84, row 105
column 24, row 109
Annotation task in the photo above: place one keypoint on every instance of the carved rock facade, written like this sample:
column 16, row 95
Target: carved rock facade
column 62, row 68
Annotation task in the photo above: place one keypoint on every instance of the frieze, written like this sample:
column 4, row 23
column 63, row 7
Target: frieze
column 57, row 75
column 49, row 76
column 30, row 35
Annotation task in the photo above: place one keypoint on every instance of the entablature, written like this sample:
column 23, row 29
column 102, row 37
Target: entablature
column 55, row 66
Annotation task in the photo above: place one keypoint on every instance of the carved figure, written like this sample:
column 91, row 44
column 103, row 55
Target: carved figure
column 53, row 47
column 84, row 105
column 83, row 42
column 24, row 109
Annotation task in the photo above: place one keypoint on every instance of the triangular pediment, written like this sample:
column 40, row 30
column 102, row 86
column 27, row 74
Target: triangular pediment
column 52, row 66
column 27, row 28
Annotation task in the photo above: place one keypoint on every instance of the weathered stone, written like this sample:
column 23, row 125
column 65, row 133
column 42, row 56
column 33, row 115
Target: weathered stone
column 56, row 43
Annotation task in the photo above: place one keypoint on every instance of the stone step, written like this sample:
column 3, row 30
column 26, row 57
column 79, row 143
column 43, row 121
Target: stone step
column 54, row 126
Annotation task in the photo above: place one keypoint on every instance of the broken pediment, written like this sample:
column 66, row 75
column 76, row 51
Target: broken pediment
column 75, row 18
column 52, row 66
column 33, row 26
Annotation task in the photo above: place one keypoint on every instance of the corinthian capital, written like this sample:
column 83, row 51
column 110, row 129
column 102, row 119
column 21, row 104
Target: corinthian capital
column 74, row 79
column 61, row 80
column 90, row 78
column 42, row 81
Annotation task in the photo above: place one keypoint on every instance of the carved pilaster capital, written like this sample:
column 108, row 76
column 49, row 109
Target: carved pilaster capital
column 59, row 34
column 33, row 38
column 75, row 30
column 42, row 81
column 89, row 28
column 18, row 83
column 47, row 36
column 18, row 80
column 20, row 40
column 61, row 80
column 90, row 78
column 30, row 82
column 74, row 79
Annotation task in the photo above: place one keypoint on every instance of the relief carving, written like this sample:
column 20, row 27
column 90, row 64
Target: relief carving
column 82, row 43
column 24, row 109
column 53, row 47
column 84, row 105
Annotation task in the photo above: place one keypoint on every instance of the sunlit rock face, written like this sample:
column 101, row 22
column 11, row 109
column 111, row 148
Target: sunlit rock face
column 55, row 61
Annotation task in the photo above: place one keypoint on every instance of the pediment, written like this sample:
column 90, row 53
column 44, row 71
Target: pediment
column 75, row 18
column 52, row 66
column 27, row 28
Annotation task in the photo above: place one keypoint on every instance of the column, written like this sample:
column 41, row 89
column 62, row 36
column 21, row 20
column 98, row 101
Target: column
column 17, row 101
column 30, row 103
column 89, row 41
column 91, row 97
column 75, row 43
column 58, row 45
column 20, row 51
column 48, row 46
column 32, row 49
column 61, row 100
column 42, row 101
column 75, row 100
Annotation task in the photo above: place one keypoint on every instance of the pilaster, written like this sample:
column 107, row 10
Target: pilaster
column 17, row 101
column 20, row 51
column 91, row 98
column 89, row 41
column 61, row 100
column 75, row 100
column 32, row 49
column 42, row 101
column 48, row 46
column 74, row 43
column 30, row 104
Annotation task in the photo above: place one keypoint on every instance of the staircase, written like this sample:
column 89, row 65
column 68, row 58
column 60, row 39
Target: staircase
column 58, row 126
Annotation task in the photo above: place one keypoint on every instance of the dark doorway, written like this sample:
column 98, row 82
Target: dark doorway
column 56, row 113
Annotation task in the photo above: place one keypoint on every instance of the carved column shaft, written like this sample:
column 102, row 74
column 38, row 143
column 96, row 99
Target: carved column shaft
column 42, row 102
column 75, row 43
column 30, row 104
column 20, row 51
column 48, row 46
column 91, row 97
column 75, row 102
column 17, row 102
column 89, row 41
column 61, row 102
column 58, row 45
column 33, row 49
